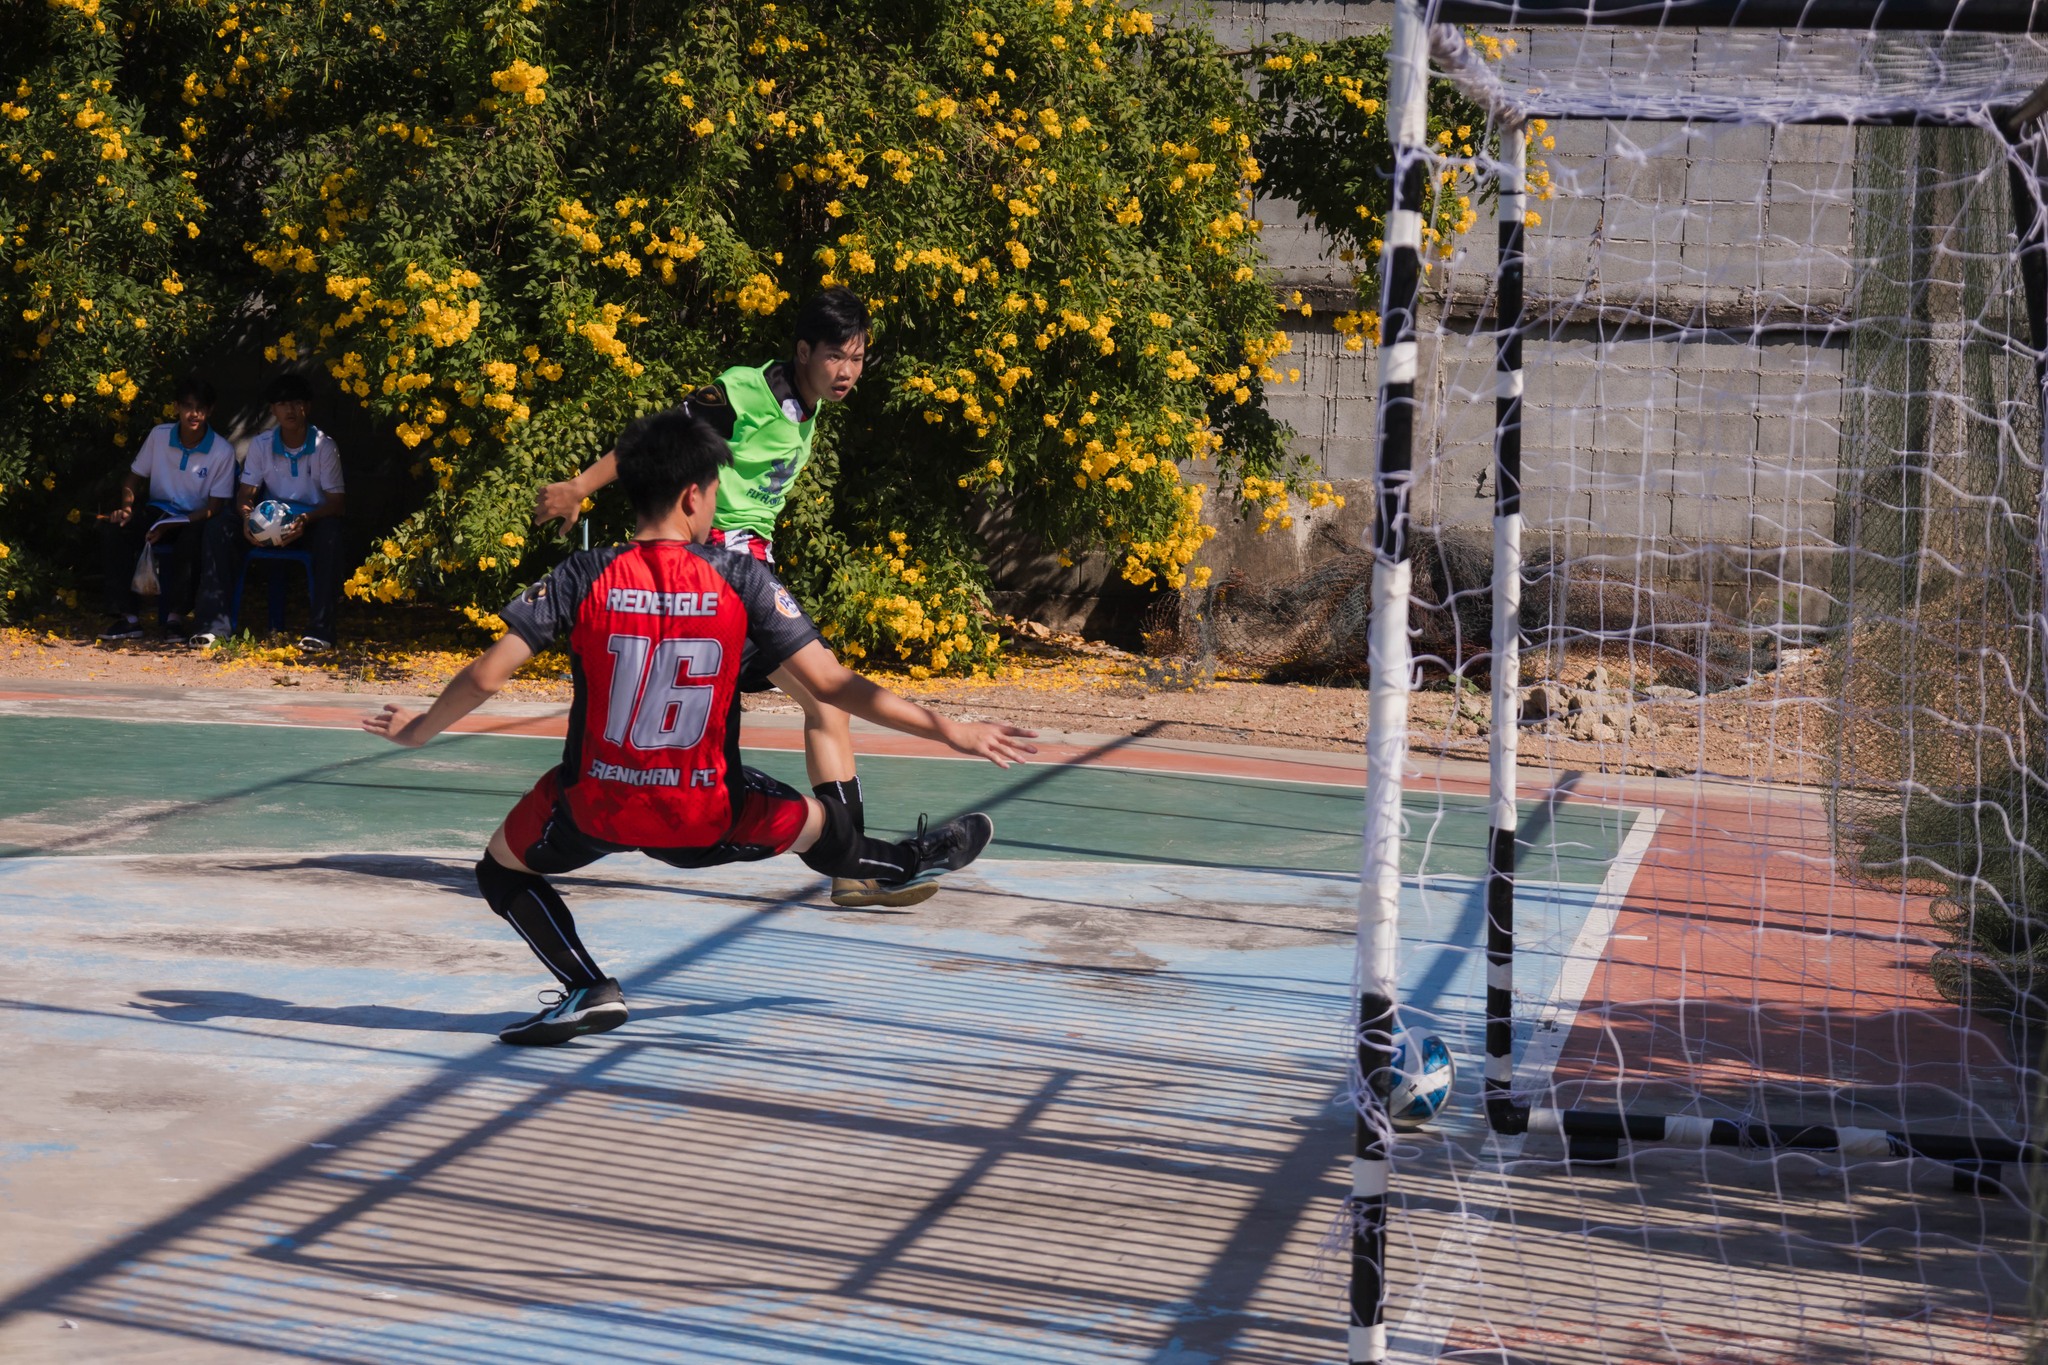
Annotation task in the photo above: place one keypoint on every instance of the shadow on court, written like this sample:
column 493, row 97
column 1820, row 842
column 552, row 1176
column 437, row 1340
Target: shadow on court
column 815, row 1141
column 187, row 1007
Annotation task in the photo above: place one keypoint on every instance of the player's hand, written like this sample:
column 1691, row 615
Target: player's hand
column 1001, row 745
column 397, row 724
column 293, row 531
column 561, row 502
column 154, row 534
column 120, row 516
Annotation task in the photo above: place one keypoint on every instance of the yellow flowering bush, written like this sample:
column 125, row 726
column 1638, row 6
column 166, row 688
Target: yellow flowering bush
column 102, row 283
column 1326, row 147
column 506, row 229
column 885, row 604
column 1046, row 204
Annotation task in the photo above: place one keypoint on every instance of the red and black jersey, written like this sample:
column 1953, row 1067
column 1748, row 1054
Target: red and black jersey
column 657, row 632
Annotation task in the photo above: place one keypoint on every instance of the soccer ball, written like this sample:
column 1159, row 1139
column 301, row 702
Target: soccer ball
column 267, row 520
column 1423, row 1074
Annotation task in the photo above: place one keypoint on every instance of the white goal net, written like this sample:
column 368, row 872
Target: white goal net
column 1744, row 405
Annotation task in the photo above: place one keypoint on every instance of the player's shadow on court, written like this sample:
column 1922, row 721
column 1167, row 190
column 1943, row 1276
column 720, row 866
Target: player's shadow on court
column 452, row 872
column 200, row 1007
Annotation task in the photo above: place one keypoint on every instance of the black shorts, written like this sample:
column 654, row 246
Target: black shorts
column 544, row 836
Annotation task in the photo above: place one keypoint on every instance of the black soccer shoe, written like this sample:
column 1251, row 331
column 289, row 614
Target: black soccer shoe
column 948, row 848
column 572, row 1013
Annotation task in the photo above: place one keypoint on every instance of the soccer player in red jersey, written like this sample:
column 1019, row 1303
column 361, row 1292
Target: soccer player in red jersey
column 660, row 632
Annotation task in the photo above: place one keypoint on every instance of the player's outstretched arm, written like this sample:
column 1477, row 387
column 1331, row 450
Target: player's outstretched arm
column 837, row 685
column 483, row 678
column 563, row 501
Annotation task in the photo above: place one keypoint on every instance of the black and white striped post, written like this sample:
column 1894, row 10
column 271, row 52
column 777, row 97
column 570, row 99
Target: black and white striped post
column 1379, row 893
column 1973, row 1155
column 1501, row 1111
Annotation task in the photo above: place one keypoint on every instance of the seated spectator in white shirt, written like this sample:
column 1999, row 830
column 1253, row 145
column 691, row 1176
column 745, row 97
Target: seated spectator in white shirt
column 187, row 469
column 294, row 462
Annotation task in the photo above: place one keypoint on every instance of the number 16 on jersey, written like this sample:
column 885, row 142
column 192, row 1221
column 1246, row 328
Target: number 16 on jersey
column 654, row 704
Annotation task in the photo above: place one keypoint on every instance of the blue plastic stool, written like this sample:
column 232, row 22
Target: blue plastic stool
column 303, row 558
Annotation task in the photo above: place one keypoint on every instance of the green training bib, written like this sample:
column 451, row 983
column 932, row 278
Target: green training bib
column 769, row 449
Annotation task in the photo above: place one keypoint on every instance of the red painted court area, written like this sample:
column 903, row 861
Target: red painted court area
column 1748, row 969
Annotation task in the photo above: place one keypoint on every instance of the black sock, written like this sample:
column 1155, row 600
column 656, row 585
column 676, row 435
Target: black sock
column 847, row 794
column 843, row 851
column 526, row 902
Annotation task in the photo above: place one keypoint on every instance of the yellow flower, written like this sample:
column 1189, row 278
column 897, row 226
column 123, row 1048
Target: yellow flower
column 522, row 79
column 761, row 295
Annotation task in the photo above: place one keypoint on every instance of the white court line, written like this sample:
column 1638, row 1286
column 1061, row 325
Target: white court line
column 1453, row 1267
column 43, row 711
column 40, row 710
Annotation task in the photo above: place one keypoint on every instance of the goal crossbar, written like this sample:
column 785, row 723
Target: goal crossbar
column 1952, row 16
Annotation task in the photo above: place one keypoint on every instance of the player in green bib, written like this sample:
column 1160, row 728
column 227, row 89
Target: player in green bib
column 768, row 415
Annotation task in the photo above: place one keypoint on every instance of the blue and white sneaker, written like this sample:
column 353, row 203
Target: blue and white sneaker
column 570, row 1014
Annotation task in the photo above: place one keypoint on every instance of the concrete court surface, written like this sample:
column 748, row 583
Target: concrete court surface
column 1084, row 1106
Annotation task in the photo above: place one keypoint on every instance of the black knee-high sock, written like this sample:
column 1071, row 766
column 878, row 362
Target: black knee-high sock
column 843, row 851
column 847, row 794
column 526, row 902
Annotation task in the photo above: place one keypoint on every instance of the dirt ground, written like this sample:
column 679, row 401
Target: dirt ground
column 1772, row 729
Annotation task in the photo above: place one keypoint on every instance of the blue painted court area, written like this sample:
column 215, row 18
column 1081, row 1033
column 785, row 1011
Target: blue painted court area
column 1077, row 1108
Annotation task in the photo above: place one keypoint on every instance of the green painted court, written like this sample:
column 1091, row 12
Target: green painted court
column 108, row 786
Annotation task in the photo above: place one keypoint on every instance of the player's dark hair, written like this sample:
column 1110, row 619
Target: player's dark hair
column 289, row 388
column 832, row 317
column 194, row 388
column 661, row 455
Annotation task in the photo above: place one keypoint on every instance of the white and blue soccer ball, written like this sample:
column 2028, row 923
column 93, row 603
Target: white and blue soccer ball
column 267, row 520
column 1423, row 1074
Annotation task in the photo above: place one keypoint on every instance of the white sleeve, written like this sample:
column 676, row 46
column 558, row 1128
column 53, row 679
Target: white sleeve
column 327, row 465
column 256, row 465
column 145, row 455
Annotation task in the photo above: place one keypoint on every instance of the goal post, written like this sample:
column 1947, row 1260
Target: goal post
column 1951, row 445
column 1379, row 896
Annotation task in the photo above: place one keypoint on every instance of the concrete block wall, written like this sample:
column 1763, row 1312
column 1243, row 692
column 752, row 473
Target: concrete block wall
column 1684, row 394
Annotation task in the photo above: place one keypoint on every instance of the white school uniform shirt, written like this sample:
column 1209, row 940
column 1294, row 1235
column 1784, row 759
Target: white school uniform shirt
column 303, row 476
column 183, row 479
